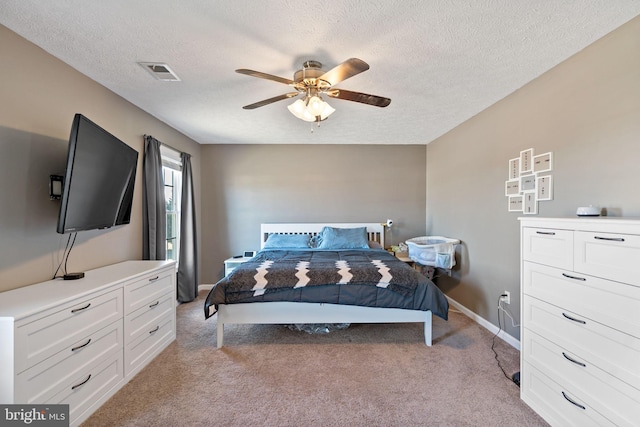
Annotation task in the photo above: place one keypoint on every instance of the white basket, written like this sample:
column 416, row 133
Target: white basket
column 436, row 251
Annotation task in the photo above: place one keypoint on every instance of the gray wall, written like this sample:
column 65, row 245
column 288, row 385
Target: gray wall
column 39, row 97
column 587, row 112
column 246, row 185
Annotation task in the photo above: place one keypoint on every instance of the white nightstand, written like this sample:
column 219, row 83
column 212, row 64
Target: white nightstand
column 231, row 263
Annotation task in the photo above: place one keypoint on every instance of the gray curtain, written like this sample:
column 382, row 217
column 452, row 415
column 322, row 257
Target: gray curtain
column 154, row 213
column 188, row 268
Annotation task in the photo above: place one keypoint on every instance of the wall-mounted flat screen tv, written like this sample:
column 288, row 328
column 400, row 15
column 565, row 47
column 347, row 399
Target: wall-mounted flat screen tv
column 98, row 181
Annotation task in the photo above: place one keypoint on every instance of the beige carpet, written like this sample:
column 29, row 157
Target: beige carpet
column 365, row 375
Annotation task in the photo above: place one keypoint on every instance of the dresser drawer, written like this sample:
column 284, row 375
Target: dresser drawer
column 148, row 317
column 148, row 289
column 149, row 344
column 41, row 382
column 613, row 351
column 610, row 303
column 37, row 340
column 557, row 404
column 88, row 389
column 614, row 256
column 548, row 246
column 611, row 397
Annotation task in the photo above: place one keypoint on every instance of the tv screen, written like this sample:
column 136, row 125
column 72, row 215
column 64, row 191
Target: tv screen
column 98, row 181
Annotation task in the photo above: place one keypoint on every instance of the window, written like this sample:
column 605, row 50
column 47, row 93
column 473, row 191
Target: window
column 172, row 175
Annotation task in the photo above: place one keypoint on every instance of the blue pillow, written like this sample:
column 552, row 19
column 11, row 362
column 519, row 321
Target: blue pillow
column 291, row 241
column 344, row 238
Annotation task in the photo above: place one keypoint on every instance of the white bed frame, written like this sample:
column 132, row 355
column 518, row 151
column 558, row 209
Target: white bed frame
column 300, row 312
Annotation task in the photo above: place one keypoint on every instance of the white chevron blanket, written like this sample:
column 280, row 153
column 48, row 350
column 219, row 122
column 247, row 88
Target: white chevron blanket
column 278, row 269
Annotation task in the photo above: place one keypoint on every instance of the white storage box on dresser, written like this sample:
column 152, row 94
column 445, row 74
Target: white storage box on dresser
column 78, row 341
column 580, row 346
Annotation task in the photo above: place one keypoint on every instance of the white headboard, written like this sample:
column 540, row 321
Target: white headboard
column 375, row 230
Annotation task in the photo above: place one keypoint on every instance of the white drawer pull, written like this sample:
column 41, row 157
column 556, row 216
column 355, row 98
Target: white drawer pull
column 574, row 319
column 75, row 310
column 570, row 359
column 573, row 277
column 611, row 239
column 154, row 304
column 570, row 400
column 153, row 279
column 548, row 233
column 82, row 383
column 81, row 346
column 154, row 330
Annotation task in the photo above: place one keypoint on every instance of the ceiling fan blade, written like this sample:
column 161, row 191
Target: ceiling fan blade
column 364, row 98
column 348, row 68
column 265, row 76
column 270, row 100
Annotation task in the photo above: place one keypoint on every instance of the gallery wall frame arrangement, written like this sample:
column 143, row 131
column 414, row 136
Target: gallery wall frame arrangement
column 529, row 181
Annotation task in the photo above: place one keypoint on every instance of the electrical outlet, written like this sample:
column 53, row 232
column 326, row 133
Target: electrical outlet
column 506, row 297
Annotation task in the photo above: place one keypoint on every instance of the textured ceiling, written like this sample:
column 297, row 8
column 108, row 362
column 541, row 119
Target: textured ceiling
column 440, row 61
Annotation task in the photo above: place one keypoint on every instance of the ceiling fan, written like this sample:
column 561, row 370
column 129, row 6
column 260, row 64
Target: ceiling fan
column 312, row 82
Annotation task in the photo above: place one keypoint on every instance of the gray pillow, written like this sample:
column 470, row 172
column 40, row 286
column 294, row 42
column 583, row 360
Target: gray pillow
column 290, row 241
column 344, row 238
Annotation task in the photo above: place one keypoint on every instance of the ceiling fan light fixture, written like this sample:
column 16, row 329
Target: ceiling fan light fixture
column 326, row 111
column 315, row 105
column 309, row 108
column 312, row 81
column 299, row 109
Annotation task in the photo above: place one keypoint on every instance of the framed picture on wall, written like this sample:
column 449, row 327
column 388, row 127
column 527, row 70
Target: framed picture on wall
column 543, row 162
column 544, row 187
column 512, row 187
column 527, row 183
column 526, row 161
column 514, row 168
column 515, row 203
column 529, row 204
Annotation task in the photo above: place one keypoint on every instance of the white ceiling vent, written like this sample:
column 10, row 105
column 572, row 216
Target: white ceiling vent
column 160, row 71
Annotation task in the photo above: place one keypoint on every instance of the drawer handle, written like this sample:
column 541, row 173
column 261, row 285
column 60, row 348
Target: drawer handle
column 82, row 383
column 154, row 304
column 155, row 330
column 574, row 319
column 570, row 359
column 548, row 233
column 153, row 279
column 572, row 401
column 81, row 346
column 75, row 310
column 611, row 239
column 573, row 277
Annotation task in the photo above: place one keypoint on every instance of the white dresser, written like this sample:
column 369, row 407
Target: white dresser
column 580, row 345
column 78, row 341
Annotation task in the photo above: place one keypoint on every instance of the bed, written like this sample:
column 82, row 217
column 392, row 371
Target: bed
column 335, row 277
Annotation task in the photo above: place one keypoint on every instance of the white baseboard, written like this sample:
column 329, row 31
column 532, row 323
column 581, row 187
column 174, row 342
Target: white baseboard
column 205, row 287
column 513, row 342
